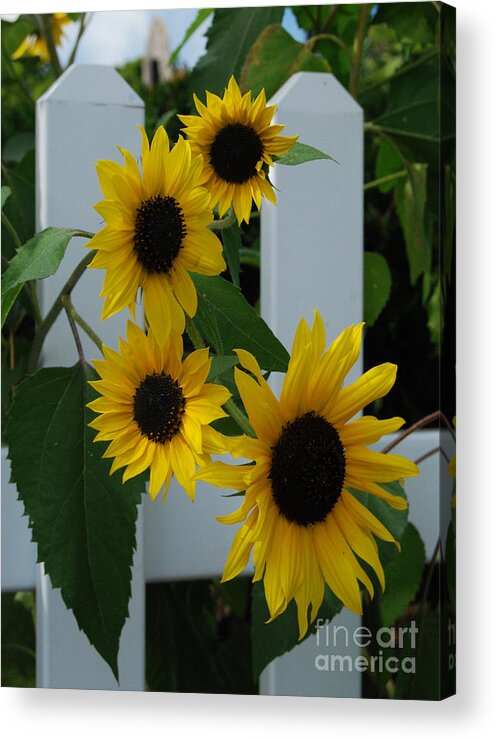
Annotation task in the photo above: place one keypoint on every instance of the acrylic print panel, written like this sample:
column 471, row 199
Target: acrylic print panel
column 228, row 351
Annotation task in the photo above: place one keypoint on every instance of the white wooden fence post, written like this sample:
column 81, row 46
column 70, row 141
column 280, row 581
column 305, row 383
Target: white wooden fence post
column 311, row 257
column 80, row 119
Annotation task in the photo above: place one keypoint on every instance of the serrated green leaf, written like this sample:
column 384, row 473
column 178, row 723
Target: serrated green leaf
column 410, row 196
column 269, row 641
column 231, row 238
column 36, row 259
column 402, row 576
column 5, row 194
column 201, row 16
column 274, row 57
column 83, row 520
column 301, row 153
column 377, row 286
column 230, row 37
column 228, row 322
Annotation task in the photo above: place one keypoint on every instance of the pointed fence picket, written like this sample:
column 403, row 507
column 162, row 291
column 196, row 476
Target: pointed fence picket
column 312, row 254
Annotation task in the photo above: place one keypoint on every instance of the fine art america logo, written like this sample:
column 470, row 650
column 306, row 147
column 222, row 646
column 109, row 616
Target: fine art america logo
column 333, row 639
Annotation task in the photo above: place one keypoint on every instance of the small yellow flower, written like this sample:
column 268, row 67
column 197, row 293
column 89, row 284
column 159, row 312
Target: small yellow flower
column 237, row 141
column 156, row 233
column 301, row 520
column 35, row 45
column 155, row 409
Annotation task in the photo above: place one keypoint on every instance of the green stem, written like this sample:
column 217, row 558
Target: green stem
column 73, row 328
column 21, row 649
column 358, row 50
column 239, row 417
column 55, row 310
column 45, row 22
column 20, row 80
column 385, row 179
column 10, row 228
column 194, row 334
column 82, row 28
column 223, row 223
column 310, row 43
column 235, row 412
column 69, row 307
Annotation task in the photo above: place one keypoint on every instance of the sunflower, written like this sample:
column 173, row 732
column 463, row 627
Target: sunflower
column 237, row 141
column 156, row 231
column 300, row 516
column 155, row 409
column 35, row 45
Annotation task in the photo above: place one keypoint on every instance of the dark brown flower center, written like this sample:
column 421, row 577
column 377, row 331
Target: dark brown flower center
column 307, row 469
column 159, row 231
column 235, row 153
column 159, row 407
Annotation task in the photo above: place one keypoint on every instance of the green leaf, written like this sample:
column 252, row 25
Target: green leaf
column 377, row 286
column 402, row 576
column 274, row 57
column 269, row 641
column 395, row 520
column 19, row 209
column 39, row 258
column 166, row 118
column 201, row 16
column 228, row 322
column 82, row 519
column 410, row 195
column 220, row 365
column 424, row 683
column 302, row 153
column 5, row 194
column 414, row 22
column 17, row 147
column 231, row 238
column 230, row 37
column 414, row 106
column 388, row 162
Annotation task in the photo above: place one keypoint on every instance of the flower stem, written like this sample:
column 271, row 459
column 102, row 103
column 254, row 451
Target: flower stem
column 233, row 409
column 383, row 180
column 239, row 417
column 82, row 27
column 69, row 307
column 194, row 334
column 77, row 339
column 55, row 310
column 358, row 50
column 327, row 37
column 223, row 223
column 435, row 416
column 46, row 29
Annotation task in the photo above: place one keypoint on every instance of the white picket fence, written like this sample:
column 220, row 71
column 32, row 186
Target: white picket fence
column 312, row 255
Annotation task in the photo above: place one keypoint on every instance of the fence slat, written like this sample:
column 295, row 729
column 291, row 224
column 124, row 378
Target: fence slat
column 311, row 257
column 80, row 119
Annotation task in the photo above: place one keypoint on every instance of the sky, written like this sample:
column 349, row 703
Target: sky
column 117, row 37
